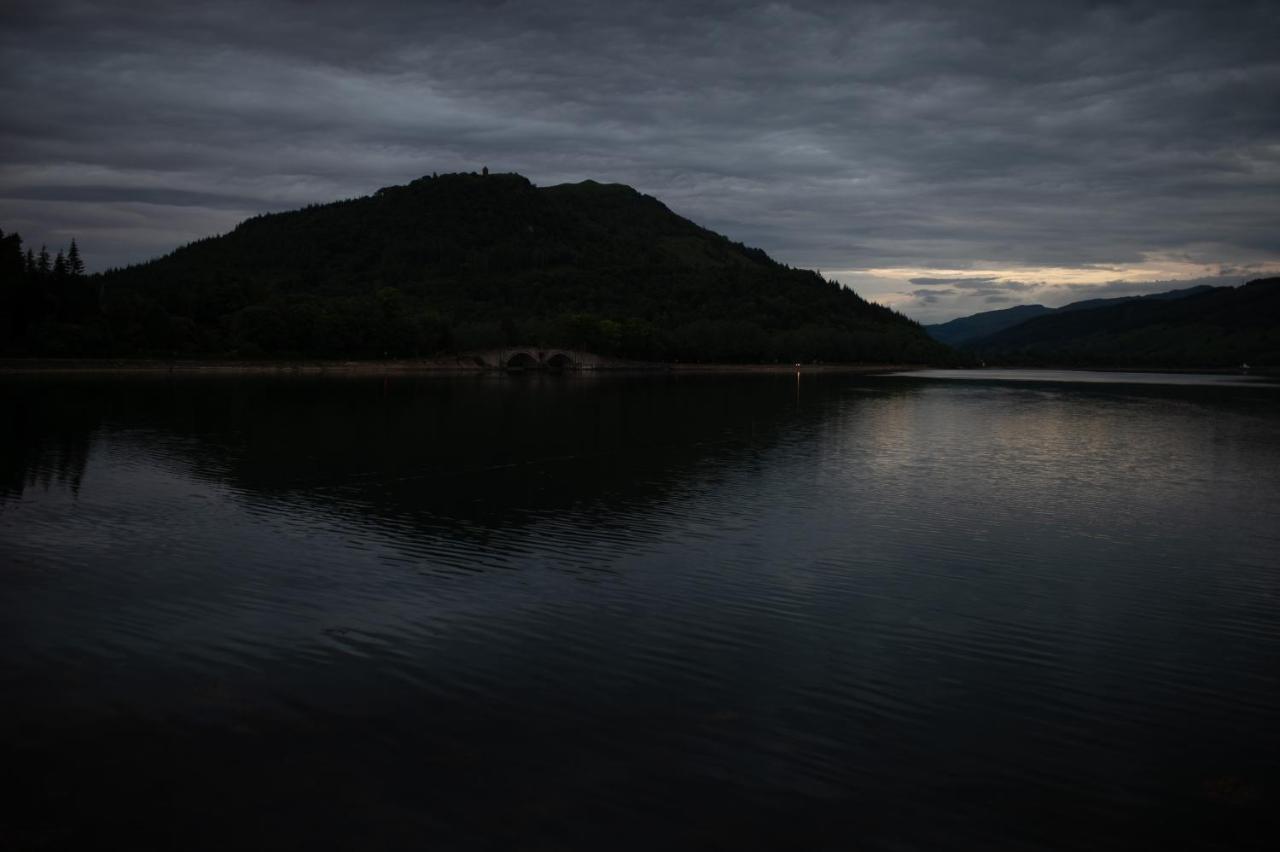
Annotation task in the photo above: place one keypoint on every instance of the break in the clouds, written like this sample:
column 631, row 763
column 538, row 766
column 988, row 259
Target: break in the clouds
column 1008, row 150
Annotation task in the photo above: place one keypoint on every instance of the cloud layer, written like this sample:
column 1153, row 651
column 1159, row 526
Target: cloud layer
column 880, row 142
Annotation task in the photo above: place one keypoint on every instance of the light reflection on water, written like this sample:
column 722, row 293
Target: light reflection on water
column 689, row 611
column 1238, row 378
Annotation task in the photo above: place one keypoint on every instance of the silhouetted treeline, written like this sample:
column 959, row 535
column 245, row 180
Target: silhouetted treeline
column 470, row 261
column 47, row 305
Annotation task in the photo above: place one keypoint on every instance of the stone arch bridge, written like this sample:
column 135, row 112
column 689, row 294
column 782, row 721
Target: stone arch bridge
column 540, row 358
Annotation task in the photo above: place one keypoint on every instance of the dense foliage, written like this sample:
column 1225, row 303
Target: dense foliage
column 46, row 306
column 468, row 261
column 1211, row 327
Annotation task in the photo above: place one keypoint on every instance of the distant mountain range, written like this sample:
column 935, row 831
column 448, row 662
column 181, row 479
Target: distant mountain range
column 966, row 330
column 466, row 261
column 1199, row 326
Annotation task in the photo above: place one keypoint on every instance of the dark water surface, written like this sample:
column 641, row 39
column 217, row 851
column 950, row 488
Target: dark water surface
column 712, row 612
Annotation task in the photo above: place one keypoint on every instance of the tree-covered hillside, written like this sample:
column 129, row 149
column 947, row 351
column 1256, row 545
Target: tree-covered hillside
column 466, row 261
column 968, row 331
column 958, row 332
column 1212, row 327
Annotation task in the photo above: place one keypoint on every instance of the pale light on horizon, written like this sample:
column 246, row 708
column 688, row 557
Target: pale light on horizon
column 938, row 294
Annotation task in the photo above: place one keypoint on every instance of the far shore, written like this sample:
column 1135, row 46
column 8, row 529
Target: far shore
column 214, row 366
column 467, row 366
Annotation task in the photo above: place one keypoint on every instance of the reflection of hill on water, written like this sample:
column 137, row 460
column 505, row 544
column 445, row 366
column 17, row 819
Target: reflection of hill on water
column 473, row 451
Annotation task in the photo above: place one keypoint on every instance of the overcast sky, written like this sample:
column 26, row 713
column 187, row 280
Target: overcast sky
column 943, row 158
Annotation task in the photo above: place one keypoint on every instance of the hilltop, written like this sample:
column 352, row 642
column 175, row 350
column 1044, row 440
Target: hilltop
column 464, row 261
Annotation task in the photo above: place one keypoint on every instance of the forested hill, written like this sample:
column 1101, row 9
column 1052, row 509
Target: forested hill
column 957, row 332
column 467, row 261
column 1212, row 327
column 964, row 331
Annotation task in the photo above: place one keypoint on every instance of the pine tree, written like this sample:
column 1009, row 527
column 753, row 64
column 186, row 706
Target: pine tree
column 31, row 262
column 42, row 261
column 75, row 265
column 60, row 266
column 11, row 261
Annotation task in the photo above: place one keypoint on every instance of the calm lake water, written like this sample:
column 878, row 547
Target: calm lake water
column 711, row 612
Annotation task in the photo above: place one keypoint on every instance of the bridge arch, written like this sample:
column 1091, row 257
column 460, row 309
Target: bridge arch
column 521, row 358
column 559, row 361
column 520, row 361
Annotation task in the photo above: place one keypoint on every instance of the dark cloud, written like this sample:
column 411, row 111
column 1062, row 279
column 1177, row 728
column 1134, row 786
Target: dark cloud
column 981, row 286
column 952, row 282
column 931, row 297
column 137, row 195
column 838, row 136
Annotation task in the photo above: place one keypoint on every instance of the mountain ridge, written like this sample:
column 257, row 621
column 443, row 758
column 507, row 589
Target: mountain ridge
column 974, row 327
column 461, row 261
column 1212, row 327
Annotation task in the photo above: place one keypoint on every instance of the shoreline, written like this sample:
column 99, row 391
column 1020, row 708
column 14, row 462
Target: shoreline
column 1199, row 371
column 460, row 366
column 215, row 366
column 854, row 369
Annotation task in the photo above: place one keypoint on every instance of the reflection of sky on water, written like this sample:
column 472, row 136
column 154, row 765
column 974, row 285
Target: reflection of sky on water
column 1050, row 591
column 1115, row 377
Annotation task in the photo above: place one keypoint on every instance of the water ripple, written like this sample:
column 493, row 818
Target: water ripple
column 1005, row 606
